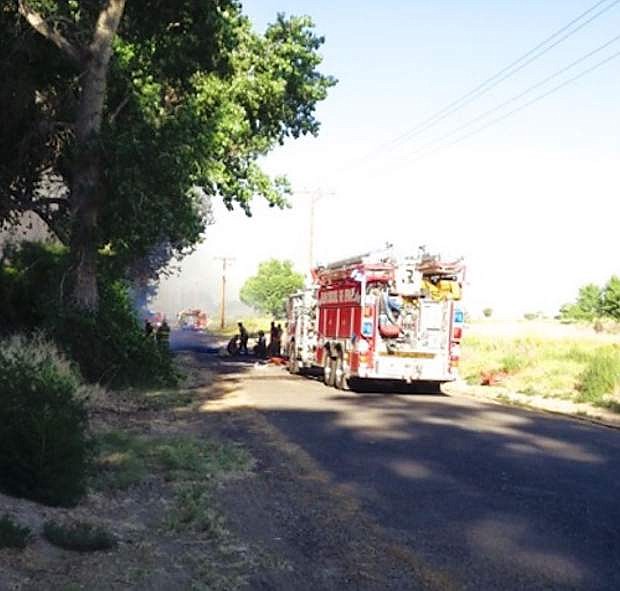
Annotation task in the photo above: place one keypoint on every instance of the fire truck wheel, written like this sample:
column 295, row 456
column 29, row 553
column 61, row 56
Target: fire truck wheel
column 341, row 380
column 329, row 370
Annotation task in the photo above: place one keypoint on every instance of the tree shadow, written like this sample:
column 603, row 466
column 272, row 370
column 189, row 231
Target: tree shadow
column 503, row 497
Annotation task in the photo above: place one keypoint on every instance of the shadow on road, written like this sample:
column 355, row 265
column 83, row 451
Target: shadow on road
column 503, row 497
column 499, row 498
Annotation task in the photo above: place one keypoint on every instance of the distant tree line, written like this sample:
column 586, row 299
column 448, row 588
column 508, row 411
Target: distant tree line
column 594, row 302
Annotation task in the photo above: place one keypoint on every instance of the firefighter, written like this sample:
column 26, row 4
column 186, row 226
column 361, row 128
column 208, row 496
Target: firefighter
column 162, row 335
column 148, row 328
column 233, row 346
column 243, row 339
column 273, row 337
column 278, row 347
column 260, row 348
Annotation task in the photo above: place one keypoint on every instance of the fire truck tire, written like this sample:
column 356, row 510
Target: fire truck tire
column 341, row 380
column 329, row 370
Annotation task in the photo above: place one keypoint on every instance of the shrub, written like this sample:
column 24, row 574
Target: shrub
column 109, row 347
column 45, row 450
column 487, row 312
column 601, row 376
column 79, row 536
column 512, row 363
column 13, row 535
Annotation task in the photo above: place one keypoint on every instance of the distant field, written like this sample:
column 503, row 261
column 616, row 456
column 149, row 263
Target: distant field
column 545, row 358
column 542, row 329
column 252, row 324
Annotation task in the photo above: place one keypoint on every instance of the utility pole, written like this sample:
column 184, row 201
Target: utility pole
column 225, row 261
column 315, row 196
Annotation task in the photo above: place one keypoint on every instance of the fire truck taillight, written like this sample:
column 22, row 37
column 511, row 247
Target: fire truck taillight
column 455, row 355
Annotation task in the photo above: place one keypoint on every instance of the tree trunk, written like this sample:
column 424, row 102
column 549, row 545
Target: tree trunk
column 86, row 202
column 86, row 189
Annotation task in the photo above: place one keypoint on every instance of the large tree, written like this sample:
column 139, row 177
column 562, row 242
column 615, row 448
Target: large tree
column 267, row 291
column 114, row 111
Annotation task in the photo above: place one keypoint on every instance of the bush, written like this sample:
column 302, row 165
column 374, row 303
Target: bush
column 45, row 451
column 487, row 312
column 109, row 347
column 79, row 536
column 512, row 363
column 601, row 376
column 13, row 535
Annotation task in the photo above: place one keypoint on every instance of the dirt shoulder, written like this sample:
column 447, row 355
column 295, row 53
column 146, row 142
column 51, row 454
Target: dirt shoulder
column 200, row 491
column 161, row 467
column 568, row 408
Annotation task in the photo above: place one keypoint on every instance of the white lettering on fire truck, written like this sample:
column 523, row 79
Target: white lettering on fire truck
column 349, row 295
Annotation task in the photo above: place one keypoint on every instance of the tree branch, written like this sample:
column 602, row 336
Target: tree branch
column 107, row 24
column 39, row 24
column 118, row 109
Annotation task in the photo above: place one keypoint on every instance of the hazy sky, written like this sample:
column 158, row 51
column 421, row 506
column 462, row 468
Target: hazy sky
column 531, row 202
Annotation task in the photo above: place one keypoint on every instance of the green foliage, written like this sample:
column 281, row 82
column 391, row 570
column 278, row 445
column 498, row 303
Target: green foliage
column 45, row 450
column 610, row 298
column 109, row 347
column 269, row 288
column 544, row 367
column 195, row 98
column 13, row 535
column 125, row 459
column 587, row 307
column 79, row 536
column 601, row 376
column 121, row 460
column 487, row 312
column 531, row 315
column 195, row 509
column 512, row 363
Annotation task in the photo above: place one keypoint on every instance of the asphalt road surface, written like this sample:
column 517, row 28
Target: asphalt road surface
column 494, row 497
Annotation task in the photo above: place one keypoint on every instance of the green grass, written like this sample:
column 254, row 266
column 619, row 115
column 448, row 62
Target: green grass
column 551, row 368
column 513, row 362
column 121, row 460
column 195, row 509
column 252, row 324
column 601, row 377
column 78, row 536
column 167, row 399
column 13, row 535
column 127, row 459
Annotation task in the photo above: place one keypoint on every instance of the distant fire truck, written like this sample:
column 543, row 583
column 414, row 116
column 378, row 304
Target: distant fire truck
column 379, row 316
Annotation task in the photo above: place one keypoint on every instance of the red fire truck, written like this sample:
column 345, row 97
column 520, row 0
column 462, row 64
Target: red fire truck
column 379, row 316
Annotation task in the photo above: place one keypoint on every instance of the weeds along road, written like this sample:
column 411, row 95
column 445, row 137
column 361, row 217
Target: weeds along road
column 492, row 497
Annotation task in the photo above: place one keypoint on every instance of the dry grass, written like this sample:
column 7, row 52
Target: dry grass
column 542, row 363
column 252, row 324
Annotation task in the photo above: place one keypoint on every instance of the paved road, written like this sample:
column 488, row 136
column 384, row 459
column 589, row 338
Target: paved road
column 494, row 497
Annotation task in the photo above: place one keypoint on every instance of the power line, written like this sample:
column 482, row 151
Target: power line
column 490, row 83
column 518, row 96
column 507, row 72
column 521, row 107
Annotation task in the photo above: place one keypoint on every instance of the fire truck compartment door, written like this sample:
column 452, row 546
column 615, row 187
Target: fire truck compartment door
column 432, row 327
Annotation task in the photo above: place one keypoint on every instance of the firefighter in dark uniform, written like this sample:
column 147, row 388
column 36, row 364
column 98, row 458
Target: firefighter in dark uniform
column 243, row 339
column 163, row 335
